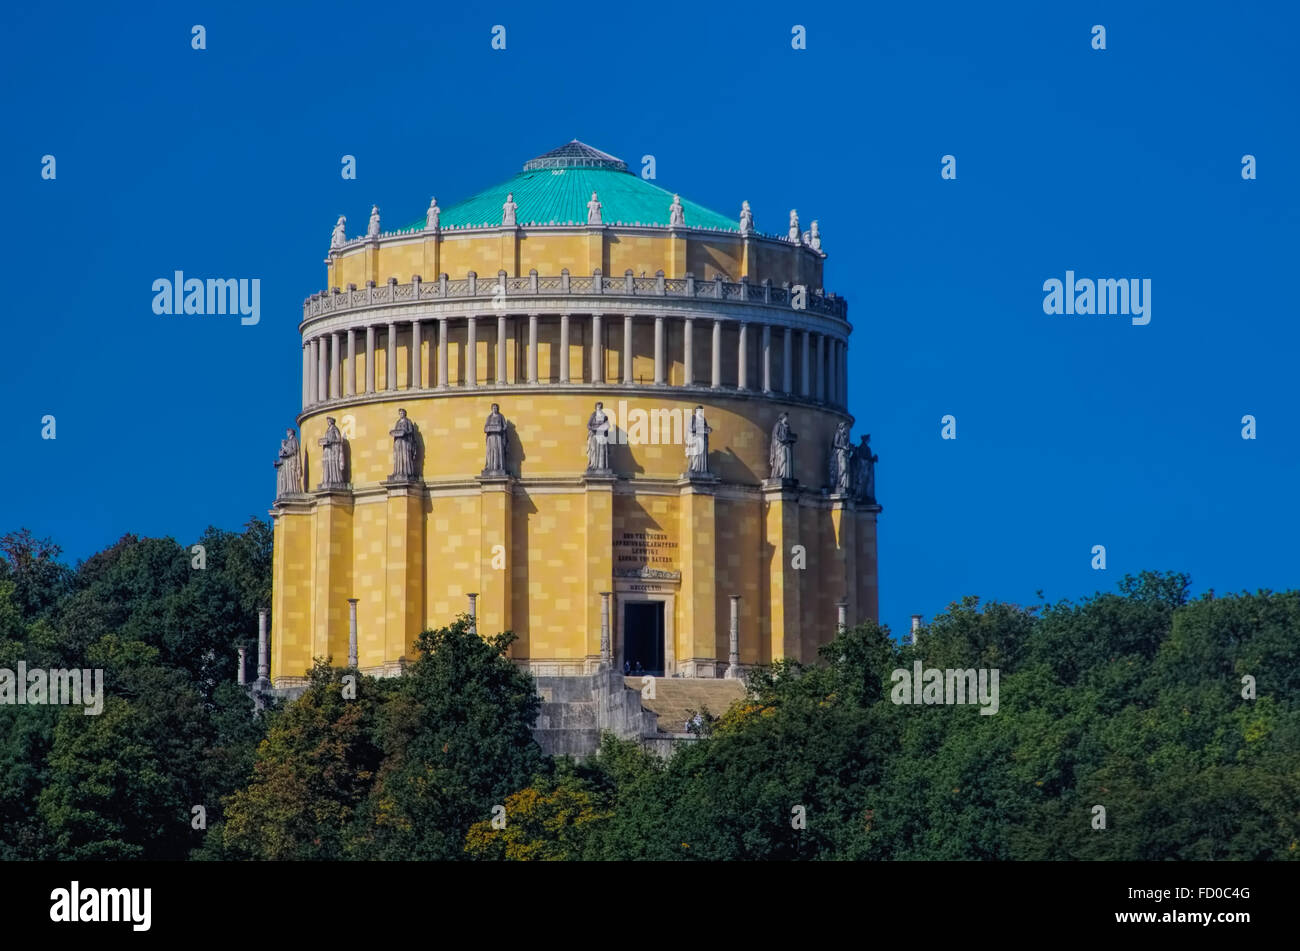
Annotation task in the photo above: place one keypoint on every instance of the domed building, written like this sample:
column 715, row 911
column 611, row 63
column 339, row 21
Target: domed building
column 585, row 410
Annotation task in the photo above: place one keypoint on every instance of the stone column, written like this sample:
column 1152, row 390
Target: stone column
column 767, row 358
column 688, row 351
column 804, row 388
column 370, row 359
column 336, row 366
column 263, row 649
column 352, row 632
column 473, row 611
column 308, row 373
column 787, row 361
column 471, row 351
column 660, row 363
column 821, row 368
column 841, row 616
column 391, row 347
column 240, row 678
column 417, row 371
column 606, row 655
column 501, row 350
column 916, row 627
column 597, row 351
column 717, row 354
column 742, row 357
column 564, row 348
column 627, row 350
column 444, row 345
column 532, row 348
column 733, row 654
column 322, row 370
column 350, row 378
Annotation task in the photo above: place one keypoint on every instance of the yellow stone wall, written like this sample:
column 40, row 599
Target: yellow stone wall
column 581, row 250
column 412, row 556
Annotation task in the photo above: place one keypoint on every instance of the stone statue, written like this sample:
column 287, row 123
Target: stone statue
column 403, row 433
column 780, row 455
column 815, row 238
column 840, row 464
column 340, row 236
column 794, row 226
column 495, row 427
column 593, row 211
column 598, row 440
column 432, row 215
column 676, row 213
column 331, row 457
column 697, row 444
column 373, row 230
column 864, row 471
column 508, row 211
column 288, row 467
column 746, row 218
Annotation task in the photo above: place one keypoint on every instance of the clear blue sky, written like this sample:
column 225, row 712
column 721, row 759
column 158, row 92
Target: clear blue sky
column 1072, row 431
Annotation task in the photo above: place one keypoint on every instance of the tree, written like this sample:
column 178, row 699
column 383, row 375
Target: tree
column 457, row 741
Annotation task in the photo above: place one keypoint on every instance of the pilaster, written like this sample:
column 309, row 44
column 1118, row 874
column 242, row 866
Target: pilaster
column 404, row 571
column 494, row 563
column 598, row 511
column 332, row 585
column 696, row 647
column 783, row 617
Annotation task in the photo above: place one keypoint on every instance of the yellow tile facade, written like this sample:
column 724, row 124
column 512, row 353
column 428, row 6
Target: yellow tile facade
column 540, row 546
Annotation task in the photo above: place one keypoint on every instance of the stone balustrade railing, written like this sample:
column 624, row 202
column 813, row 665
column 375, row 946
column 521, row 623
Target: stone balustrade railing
column 743, row 291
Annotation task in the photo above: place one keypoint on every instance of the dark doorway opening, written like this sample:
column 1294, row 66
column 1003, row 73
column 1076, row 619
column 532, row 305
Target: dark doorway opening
column 643, row 637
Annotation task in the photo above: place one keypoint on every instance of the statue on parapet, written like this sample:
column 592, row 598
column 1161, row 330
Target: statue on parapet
column 780, row 455
column 495, row 429
column 331, row 459
column 697, row 444
column 840, row 463
column 598, row 441
column 864, row 471
column 288, row 466
column 404, row 449
column 676, row 213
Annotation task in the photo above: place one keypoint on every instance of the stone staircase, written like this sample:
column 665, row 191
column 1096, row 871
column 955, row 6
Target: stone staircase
column 677, row 698
column 576, row 710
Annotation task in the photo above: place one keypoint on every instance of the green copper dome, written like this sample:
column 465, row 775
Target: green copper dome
column 554, row 189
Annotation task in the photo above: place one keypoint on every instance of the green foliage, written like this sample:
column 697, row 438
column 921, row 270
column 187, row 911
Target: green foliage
column 1131, row 700
column 312, row 773
column 458, row 742
column 175, row 731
